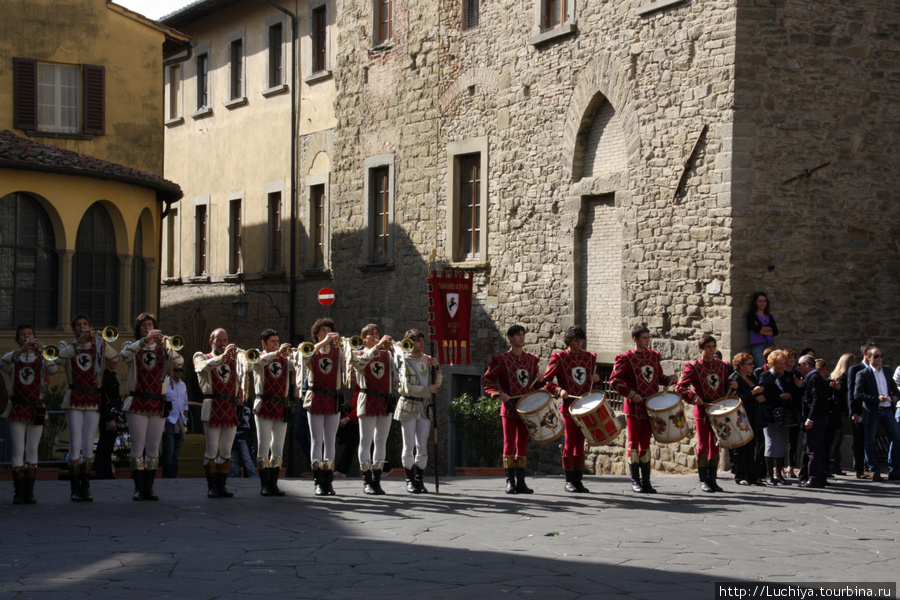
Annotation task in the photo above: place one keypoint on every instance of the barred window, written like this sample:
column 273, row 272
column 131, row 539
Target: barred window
column 95, row 268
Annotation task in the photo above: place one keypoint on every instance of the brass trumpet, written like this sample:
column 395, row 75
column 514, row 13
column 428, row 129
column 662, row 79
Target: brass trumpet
column 50, row 353
column 307, row 349
column 407, row 345
column 252, row 355
column 108, row 333
column 176, row 342
column 356, row 342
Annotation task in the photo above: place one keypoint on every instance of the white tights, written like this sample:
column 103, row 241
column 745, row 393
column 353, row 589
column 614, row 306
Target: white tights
column 270, row 434
column 146, row 435
column 323, row 429
column 373, row 429
column 218, row 443
column 82, row 429
column 25, row 441
column 415, row 435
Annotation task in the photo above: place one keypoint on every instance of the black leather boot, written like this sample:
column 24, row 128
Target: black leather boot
column 274, row 473
column 149, row 479
column 376, row 482
column 636, row 477
column 368, row 486
column 703, row 472
column 222, row 479
column 264, row 481
column 75, row 481
column 18, row 475
column 570, row 485
column 319, row 477
column 85, row 481
column 645, row 479
column 137, row 475
column 420, row 479
column 411, row 481
column 511, row 480
column 521, row 488
column 576, row 479
column 711, row 477
column 28, row 484
column 328, row 475
column 210, row 468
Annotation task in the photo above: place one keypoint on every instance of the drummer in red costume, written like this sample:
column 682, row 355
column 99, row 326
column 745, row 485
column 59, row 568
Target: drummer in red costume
column 636, row 375
column 574, row 371
column 28, row 371
column 510, row 376
column 705, row 380
column 223, row 389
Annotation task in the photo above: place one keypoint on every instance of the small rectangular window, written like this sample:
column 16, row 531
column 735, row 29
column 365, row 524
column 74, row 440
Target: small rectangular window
column 379, row 188
column 554, row 13
column 173, row 103
column 171, row 233
column 275, row 232
column 469, row 189
column 236, row 60
column 235, row 234
column 276, row 57
column 317, row 204
column 383, row 21
column 470, row 14
column 200, row 239
column 58, row 98
column 319, row 40
column 202, row 81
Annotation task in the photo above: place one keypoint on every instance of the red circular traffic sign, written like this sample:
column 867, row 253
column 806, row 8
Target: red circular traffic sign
column 326, row 296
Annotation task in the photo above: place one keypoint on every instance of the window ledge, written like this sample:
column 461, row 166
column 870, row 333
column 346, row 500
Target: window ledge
column 470, row 265
column 273, row 274
column 174, row 122
column 643, row 11
column 172, row 281
column 199, row 279
column 274, row 91
column 382, row 47
column 204, row 111
column 318, row 274
column 377, row 267
column 233, row 278
column 236, row 102
column 58, row 135
column 320, row 76
column 552, row 34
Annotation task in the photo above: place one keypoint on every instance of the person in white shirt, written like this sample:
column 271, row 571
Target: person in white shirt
column 176, row 423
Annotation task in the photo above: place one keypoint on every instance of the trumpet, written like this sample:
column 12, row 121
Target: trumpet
column 50, row 353
column 252, row 355
column 407, row 345
column 176, row 342
column 307, row 349
column 108, row 333
column 355, row 342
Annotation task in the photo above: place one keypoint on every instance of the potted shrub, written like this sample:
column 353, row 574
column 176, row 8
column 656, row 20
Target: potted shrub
column 480, row 431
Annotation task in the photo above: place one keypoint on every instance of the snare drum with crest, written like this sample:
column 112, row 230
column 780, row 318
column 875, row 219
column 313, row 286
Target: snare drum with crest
column 539, row 413
column 596, row 419
column 668, row 422
column 730, row 422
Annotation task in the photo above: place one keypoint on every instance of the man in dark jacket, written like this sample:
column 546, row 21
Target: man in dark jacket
column 814, row 419
column 877, row 393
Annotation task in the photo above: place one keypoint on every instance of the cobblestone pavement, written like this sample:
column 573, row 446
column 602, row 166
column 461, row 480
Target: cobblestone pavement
column 471, row 541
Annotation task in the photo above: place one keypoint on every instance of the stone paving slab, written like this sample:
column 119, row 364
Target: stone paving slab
column 469, row 542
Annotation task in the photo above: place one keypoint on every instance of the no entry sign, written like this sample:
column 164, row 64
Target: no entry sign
column 326, row 296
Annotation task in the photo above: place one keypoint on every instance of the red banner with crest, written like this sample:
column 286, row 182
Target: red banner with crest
column 450, row 315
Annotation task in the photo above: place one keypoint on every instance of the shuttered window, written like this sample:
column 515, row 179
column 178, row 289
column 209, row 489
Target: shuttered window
column 58, row 98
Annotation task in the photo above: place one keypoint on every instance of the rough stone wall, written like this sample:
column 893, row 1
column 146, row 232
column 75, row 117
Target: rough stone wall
column 817, row 83
column 665, row 75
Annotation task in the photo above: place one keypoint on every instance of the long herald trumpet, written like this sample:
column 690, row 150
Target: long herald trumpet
column 50, row 353
column 108, row 333
column 355, row 342
column 175, row 342
column 252, row 355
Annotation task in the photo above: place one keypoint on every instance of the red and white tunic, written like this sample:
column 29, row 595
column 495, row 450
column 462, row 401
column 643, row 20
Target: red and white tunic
column 323, row 371
column 271, row 381
column 26, row 386
column 640, row 372
column 83, row 365
column 222, row 387
column 572, row 372
column 704, row 382
column 148, row 366
column 513, row 375
column 375, row 378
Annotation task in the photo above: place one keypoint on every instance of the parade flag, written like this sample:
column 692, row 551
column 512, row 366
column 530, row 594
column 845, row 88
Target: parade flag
column 450, row 315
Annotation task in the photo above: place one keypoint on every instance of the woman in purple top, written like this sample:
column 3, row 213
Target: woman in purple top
column 762, row 327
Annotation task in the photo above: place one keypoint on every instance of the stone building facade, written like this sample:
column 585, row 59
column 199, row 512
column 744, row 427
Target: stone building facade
column 631, row 161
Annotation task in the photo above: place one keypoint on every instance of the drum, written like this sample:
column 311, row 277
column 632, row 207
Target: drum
column 538, row 410
column 595, row 419
column 729, row 422
column 667, row 420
